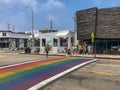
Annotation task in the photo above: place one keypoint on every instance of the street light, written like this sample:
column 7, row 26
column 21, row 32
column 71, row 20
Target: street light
column 75, row 29
column 32, row 27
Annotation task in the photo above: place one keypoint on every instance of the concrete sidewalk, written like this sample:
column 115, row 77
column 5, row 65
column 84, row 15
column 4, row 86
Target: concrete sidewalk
column 101, row 56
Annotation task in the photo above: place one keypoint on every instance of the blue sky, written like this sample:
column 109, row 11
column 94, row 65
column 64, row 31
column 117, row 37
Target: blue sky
column 61, row 12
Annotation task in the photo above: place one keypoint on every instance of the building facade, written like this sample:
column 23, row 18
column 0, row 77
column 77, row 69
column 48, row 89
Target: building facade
column 57, row 40
column 9, row 39
column 105, row 24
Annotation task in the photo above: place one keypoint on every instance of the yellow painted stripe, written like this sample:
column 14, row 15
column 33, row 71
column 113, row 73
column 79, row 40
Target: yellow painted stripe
column 101, row 73
column 3, row 75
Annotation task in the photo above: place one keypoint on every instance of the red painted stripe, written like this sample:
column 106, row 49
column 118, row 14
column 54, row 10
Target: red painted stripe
column 17, row 67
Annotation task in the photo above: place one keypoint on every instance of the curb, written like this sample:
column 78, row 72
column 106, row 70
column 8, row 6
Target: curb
column 43, row 54
column 76, row 56
column 98, row 57
column 45, row 82
column 107, row 58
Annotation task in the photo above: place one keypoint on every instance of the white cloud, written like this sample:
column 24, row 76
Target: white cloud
column 51, row 9
column 6, row 1
column 15, row 12
column 31, row 3
column 48, row 5
column 53, row 3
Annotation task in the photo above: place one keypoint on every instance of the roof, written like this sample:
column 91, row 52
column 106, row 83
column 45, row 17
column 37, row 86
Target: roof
column 62, row 33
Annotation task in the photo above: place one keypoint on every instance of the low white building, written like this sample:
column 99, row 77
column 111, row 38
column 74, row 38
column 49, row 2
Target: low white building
column 9, row 39
column 50, row 39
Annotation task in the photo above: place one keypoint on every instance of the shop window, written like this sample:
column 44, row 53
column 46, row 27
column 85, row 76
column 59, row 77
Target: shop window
column 55, row 42
column 43, row 42
column 63, row 42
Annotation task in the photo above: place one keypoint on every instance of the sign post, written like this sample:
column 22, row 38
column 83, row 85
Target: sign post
column 93, row 38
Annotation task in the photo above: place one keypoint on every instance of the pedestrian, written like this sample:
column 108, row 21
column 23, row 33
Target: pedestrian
column 89, row 49
column 47, row 48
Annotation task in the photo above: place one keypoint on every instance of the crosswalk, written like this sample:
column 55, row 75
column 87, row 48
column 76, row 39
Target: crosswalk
column 25, row 76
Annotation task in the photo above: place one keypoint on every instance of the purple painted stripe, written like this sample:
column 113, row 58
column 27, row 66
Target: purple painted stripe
column 26, row 85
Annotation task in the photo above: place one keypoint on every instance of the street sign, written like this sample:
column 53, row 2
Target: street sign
column 92, row 36
column 32, row 36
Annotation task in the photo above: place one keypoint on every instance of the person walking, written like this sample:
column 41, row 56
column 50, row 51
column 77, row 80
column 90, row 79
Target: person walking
column 47, row 48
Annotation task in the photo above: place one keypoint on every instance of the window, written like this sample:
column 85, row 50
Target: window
column 72, row 41
column 63, row 42
column 3, row 34
column 43, row 42
column 55, row 42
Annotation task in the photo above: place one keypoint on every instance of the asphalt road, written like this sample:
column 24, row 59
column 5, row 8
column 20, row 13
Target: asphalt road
column 100, row 75
column 14, row 58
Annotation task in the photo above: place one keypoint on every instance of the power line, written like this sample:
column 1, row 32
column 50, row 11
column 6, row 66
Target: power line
column 8, row 26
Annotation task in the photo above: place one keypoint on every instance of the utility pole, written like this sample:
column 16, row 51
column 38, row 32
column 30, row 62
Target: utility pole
column 51, row 25
column 13, row 28
column 75, row 29
column 8, row 26
column 32, row 27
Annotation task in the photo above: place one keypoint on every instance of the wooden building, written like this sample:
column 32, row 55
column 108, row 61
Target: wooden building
column 105, row 23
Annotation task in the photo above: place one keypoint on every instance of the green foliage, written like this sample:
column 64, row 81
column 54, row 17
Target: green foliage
column 44, row 31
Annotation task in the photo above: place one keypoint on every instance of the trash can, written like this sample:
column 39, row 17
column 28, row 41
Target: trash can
column 27, row 50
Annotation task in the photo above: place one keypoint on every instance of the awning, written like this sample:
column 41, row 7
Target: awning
column 62, row 34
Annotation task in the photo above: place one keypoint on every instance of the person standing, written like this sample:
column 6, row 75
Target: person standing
column 89, row 48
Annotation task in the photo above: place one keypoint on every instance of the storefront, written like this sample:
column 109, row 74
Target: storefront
column 110, row 46
column 105, row 24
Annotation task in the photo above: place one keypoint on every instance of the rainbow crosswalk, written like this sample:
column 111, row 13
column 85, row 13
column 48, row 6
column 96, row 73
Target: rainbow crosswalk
column 24, row 76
